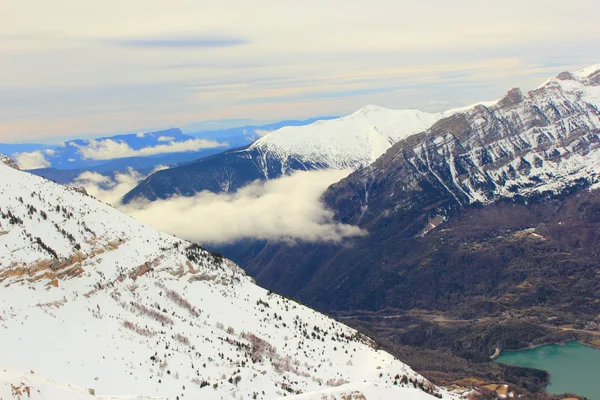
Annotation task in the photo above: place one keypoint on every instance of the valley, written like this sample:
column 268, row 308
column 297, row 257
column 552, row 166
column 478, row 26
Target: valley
column 432, row 305
column 482, row 238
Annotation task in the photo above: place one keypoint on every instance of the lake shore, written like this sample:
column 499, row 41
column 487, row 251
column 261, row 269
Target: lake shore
column 586, row 339
column 595, row 343
column 499, row 352
column 572, row 365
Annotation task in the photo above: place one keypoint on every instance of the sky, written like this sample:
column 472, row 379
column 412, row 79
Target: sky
column 73, row 67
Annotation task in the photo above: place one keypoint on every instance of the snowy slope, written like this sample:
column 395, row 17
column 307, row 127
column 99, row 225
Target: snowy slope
column 362, row 391
column 588, row 72
column 29, row 385
column 353, row 141
column 92, row 301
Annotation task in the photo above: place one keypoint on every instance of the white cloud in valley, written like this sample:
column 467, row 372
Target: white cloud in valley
column 31, row 160
column 111, row 189
column 109, row 149
column 287, row 209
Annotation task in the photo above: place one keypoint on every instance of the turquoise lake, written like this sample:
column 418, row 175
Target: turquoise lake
column 574, row 367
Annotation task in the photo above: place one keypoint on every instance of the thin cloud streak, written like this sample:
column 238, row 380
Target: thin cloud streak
column 183, row 42
column 109, row 149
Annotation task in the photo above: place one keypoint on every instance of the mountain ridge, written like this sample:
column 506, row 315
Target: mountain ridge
column 525, row 144
column 348, row 142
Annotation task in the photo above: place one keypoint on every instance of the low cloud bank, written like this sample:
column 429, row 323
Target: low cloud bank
column 108, row 189
column 109, row 149
column 286, row 209
column 31, row 160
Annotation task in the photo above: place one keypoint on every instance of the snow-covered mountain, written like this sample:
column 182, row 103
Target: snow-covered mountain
column 350, row 142
column 94, row 304
column 509, row 146
column 488, row 217
column 537, row 143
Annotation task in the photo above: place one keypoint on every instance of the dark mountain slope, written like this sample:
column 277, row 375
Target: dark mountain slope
column 505, row 276
column 516, row 254
column 222, row 172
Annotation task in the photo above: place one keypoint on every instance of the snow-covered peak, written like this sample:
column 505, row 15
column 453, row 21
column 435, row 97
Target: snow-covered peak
column 588, row 76
column 121, row 311
column 543, row 141
column 352, row 141
column 371, row 108
column 349, row 142
column 568, row 86
column 588, row 71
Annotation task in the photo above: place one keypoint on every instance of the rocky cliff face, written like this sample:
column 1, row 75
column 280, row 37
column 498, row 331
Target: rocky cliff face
column 532, row 144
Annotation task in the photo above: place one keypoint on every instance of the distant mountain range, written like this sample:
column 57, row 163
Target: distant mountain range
column 10, row 149
column 141, row 164
column 245, row 131
column 121, row 311
column 141, row 152
column 121, row 150
column 349, row 142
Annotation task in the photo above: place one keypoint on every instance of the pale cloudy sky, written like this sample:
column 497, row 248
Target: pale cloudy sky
column 72, row 67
